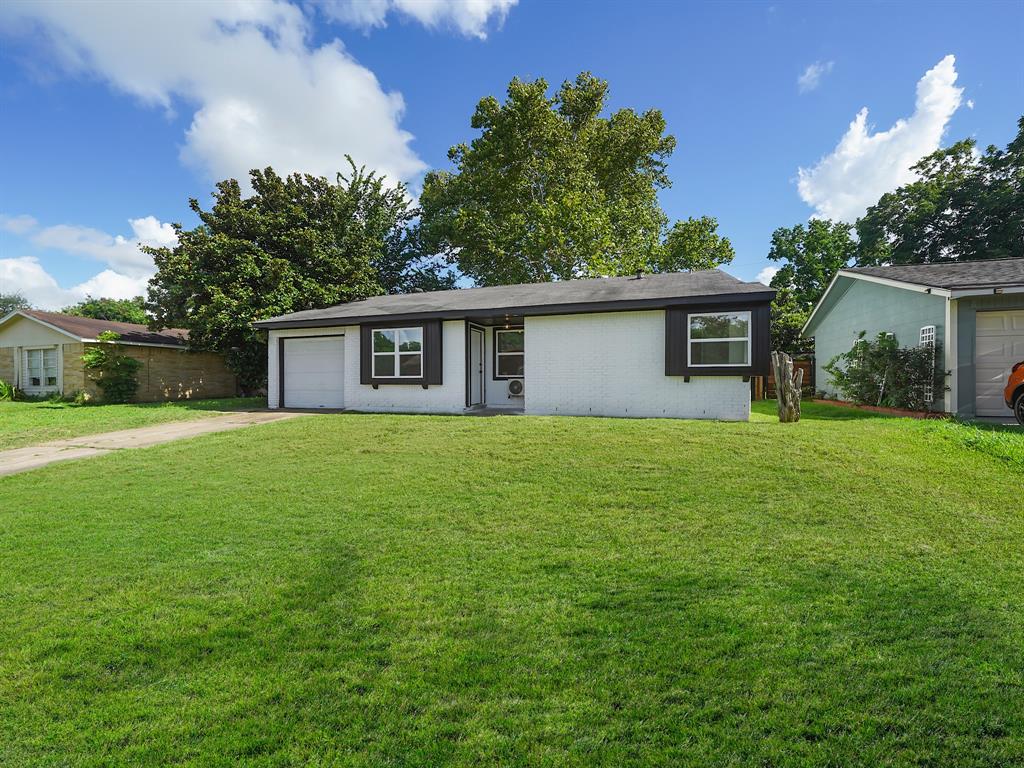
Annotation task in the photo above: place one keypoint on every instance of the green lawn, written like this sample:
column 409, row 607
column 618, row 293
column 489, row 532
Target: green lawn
column 29, row 423
column 373, row 590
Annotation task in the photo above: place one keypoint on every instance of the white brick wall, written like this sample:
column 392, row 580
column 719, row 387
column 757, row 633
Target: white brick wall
column 613, row 364
column 610, row 364
column 449, row 397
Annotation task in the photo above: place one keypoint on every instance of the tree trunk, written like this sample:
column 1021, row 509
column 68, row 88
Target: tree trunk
column 787, row 387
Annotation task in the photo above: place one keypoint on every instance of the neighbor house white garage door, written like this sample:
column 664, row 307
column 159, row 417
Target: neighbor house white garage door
column 313, row 369
column 1000, row 344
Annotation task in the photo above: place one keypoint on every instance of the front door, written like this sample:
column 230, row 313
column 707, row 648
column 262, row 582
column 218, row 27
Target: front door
column 476, row 366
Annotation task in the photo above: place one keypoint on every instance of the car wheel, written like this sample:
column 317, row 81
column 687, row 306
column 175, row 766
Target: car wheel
column 1018, row 409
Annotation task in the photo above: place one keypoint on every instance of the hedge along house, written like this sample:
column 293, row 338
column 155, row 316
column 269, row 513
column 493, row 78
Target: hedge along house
column 41, row 354
column 676, row 345
column 971, row 311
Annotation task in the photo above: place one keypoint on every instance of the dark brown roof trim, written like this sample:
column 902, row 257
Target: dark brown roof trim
column 542, row 310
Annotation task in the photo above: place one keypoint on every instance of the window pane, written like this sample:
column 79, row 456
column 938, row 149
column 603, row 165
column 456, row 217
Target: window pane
column 510, row 365
column 410, row 365
column 723, row 326
column 51, row 381
column 718, row 353
column 383, row 341
column 510, row 341
column 410, row 339
column 383, row 365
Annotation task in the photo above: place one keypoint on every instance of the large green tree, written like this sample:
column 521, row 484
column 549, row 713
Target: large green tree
column 295, row 243
column 115, row 310
column 12, row 301
column 552, row 189
column 963, row 205
column 810, row 254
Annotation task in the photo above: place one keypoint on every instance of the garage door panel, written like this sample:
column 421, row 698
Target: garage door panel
column 1000, row 348
column 999, row 345
column 314, row 372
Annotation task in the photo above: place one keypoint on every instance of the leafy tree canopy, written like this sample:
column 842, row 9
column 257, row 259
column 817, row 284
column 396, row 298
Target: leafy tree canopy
column 964, row 205
column 9, row 302
column 301, row 242
column 811, row 254
column 115, row 310
column 552, row 190
column 692, row 245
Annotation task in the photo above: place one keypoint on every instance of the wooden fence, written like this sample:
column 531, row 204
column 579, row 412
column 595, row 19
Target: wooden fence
column 761, row 389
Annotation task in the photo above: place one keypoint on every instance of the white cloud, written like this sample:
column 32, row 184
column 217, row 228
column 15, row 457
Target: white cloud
column 17, row 225
column 811, row 77
column 127, row 269
column 469, row 17
column 765, row 275
column 25, row 275
column 121, row 253
column 263, row 95
column 970, row 103
column 866, row 165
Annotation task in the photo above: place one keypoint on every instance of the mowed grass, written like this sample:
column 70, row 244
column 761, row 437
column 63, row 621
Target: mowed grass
column 372, row 590
column 31, row 423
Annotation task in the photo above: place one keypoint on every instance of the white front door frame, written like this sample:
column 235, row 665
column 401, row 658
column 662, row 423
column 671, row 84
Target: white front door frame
column 475, row 359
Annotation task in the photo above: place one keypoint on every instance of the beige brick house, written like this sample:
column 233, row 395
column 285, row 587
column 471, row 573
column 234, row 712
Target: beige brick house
column 41, row 354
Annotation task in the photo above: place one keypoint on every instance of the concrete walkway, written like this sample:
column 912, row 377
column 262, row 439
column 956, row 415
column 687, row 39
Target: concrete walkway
column 24, row 459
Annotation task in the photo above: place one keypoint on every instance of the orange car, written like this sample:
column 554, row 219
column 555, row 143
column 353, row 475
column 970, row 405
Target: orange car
column 1014, row 392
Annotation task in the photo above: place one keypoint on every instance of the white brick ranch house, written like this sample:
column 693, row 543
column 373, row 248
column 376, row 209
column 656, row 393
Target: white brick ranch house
column 680, row 345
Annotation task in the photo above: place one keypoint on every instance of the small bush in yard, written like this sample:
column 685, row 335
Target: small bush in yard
column 113, row 371
column 8, row 391
column 880, row 372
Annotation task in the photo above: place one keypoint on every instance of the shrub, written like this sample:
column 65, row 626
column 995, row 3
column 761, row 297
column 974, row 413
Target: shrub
column 8, row 391
column 113, row 371
column 880, row 372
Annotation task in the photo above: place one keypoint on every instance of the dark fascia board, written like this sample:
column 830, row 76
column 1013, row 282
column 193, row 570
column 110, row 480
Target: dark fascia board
column 542, row 310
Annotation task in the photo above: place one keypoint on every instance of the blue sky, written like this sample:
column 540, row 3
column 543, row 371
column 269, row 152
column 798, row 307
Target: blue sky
column 113, row 115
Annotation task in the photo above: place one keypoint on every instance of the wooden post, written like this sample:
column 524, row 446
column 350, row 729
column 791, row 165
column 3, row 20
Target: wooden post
column 787, row 387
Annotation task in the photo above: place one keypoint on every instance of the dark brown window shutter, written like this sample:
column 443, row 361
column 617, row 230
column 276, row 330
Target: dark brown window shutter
column 432, row 333
column 365, row 351
column 675, row 342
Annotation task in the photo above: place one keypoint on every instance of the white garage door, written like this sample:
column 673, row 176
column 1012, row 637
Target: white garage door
column 313, row 369
column 1000, row 345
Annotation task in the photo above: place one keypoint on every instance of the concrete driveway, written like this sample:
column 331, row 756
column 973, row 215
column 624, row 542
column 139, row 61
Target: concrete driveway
column 24, row 459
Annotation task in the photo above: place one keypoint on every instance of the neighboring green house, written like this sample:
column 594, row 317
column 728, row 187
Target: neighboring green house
column 982, row 302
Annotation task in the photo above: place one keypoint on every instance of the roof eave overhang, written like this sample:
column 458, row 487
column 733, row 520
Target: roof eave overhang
column 582, row 308
column 994, row 290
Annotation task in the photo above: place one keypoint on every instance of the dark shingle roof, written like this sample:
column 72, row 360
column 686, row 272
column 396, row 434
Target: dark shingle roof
column 598, row 294
column 87, row 328
column 954, row 275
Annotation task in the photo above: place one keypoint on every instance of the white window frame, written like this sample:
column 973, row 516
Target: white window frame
column 499, row 354
column 396, row 353
column 25, row 373
column 690, row 341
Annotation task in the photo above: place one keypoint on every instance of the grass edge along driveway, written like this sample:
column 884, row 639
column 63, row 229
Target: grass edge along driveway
column 32, row 423
column 388, row 590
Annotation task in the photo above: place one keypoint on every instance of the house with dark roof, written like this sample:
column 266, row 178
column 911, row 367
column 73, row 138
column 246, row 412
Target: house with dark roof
column 971, row 312
column 41, row 354
column 665, row 345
